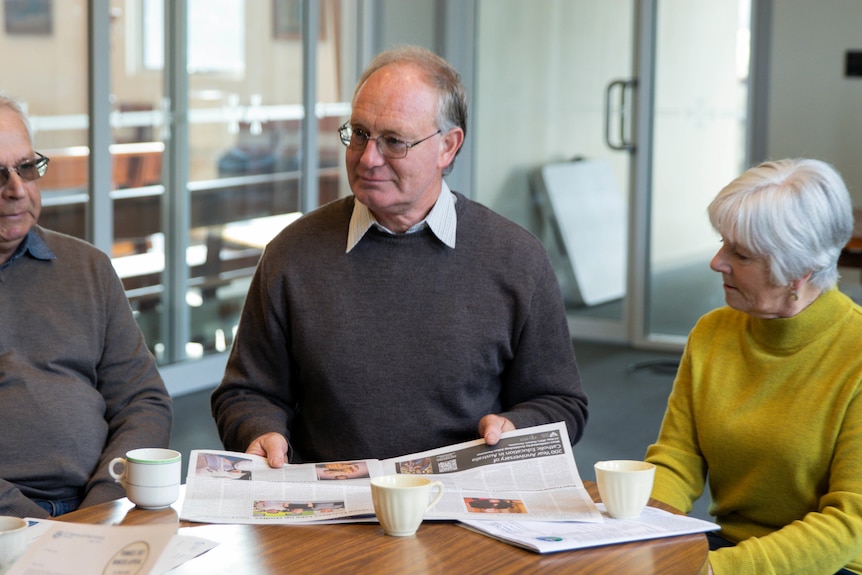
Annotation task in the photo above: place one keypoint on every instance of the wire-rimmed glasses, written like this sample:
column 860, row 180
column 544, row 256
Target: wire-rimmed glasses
column 27, row 170
column 389, row 146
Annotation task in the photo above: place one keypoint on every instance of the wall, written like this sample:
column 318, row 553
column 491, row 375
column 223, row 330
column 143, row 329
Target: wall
column 52, row 76
column 407, row 22
column 813, row 109
column 52, row 61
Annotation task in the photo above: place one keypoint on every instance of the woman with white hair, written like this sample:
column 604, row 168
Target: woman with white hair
column 767, row 402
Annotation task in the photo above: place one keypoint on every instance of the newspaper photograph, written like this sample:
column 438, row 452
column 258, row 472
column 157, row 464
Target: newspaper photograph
column 530, row 474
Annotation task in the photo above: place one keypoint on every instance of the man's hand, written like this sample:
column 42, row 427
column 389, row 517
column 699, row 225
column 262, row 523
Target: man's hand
column 271, row 445
column 491, row 426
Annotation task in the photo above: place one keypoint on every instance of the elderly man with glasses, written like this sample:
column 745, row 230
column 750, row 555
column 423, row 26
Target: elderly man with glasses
column 405, row 317
column 78, row 385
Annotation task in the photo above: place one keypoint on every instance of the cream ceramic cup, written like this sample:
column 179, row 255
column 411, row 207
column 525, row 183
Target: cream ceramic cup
column 13, row 540
column 624, row 486
column 150, row 476
column 400, row 501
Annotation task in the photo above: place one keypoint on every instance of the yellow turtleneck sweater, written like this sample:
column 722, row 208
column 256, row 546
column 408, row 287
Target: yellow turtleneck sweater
column 770, row 410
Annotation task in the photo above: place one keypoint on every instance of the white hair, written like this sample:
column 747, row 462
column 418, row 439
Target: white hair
column 795, row 213
column 8, row 103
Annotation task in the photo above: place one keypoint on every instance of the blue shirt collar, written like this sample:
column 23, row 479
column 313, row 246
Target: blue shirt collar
column 441, row 219
column 35, row 246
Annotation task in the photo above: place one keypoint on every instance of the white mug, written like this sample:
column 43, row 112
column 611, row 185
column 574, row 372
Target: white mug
column 13, row 540
column 400, row 501
column 624, row 486
column 150, row 476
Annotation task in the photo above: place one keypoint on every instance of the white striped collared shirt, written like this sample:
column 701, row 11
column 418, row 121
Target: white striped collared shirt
column 441, row 219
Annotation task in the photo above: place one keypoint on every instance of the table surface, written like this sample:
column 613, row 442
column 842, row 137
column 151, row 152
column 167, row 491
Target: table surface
column 438, row 547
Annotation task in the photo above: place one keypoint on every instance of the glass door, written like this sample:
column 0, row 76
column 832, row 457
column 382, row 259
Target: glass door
column 554, row 84
column 211, row 128
column 696, row 146
column 606, row 128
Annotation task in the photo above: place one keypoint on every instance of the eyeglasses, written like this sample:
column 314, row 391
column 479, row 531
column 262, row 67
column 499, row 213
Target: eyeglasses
column 389, row 147
column 27, row 170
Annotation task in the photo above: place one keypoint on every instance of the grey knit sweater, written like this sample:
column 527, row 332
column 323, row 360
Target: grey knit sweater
column 78, row 386
column 401, row 345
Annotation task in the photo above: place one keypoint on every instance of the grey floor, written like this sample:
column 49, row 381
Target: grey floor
column 626, row 408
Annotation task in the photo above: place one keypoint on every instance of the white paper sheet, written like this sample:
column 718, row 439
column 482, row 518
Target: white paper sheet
column 61, row 548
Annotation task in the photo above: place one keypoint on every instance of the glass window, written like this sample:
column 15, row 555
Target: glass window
column 216, row 35
column 245, row 151
column 242, row 156
column 242, row 144
column 55, row 35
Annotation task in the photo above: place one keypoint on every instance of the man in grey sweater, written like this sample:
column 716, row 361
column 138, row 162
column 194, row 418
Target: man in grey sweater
column 78, row 386
column 407, row 316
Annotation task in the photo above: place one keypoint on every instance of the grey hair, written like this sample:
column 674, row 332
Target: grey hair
column 9, row 103
column 795, row 213
column 441, row 75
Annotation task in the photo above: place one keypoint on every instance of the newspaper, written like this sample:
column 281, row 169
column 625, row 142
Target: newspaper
column 530, row 474
column 550, row 537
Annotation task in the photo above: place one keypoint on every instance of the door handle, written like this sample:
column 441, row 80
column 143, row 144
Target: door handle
column 624, row 115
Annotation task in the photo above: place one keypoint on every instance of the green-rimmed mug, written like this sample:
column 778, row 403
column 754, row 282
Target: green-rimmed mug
column 150, row 476
column 13, row 540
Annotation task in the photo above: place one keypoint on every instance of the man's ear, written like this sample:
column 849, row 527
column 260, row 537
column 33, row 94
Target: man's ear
column 451, row 142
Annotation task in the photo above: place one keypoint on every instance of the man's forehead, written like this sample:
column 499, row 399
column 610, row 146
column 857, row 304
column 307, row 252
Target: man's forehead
column 390, row 97
column 397, row 81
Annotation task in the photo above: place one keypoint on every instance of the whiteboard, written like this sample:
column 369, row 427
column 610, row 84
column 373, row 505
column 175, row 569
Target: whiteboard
column 586, row 206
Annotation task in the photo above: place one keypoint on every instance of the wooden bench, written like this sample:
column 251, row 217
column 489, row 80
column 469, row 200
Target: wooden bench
column 134, row 166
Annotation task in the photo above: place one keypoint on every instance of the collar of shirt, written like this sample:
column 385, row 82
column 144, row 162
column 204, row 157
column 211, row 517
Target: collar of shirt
column 35, row 246
column 441, row 219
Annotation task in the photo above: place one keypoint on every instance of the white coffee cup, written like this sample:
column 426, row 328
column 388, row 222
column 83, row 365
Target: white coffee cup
column 624, row 486
column 400, row 501
column 13, row 540
column 150, row 476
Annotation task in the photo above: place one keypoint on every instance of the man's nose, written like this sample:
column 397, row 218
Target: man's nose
column 14, row 186
column 371, row 154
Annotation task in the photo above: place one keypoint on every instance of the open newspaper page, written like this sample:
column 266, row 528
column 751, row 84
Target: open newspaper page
column 229, row 487
column 529, row 475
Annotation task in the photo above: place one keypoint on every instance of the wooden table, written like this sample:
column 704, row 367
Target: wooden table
column 438, row 547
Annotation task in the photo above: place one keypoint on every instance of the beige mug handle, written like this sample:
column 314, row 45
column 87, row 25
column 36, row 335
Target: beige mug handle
column 439, row 486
